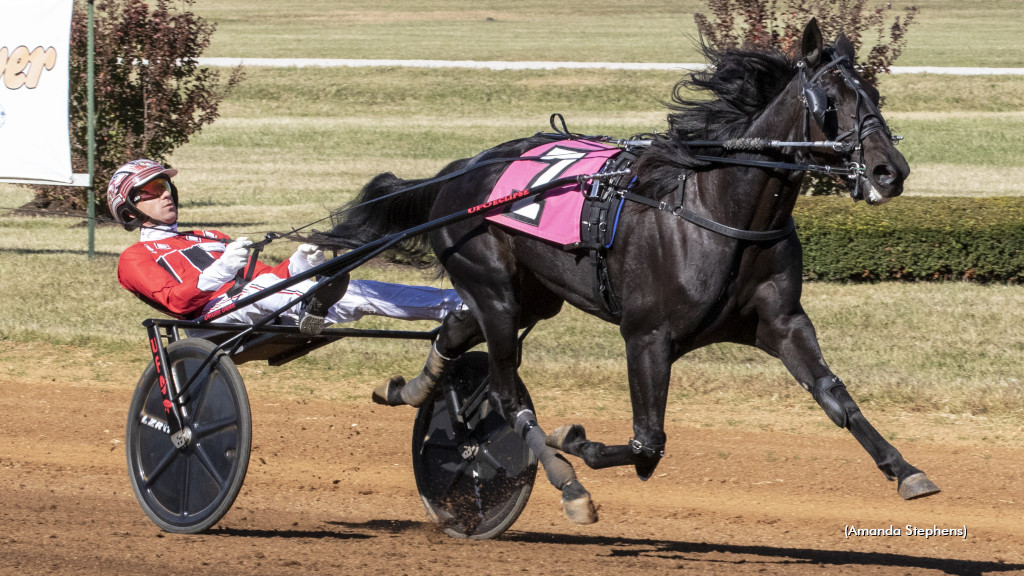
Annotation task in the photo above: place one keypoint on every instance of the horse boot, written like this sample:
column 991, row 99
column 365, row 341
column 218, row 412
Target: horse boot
column 397, row 392
column 314, row 311
column 822, row 393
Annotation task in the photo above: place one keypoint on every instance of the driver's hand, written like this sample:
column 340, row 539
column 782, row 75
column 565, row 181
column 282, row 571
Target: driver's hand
column 306, row 256
column 313, row 254
column 224, row 269
column 235, row 256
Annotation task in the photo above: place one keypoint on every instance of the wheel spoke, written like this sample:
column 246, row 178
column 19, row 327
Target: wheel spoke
column 204, row 387
column 202, row 431
column 441, row 443
column 153, row 475
column 497, row 434
column 204, row 459
column 495, row 464
column 456, row 478
column 186, row 488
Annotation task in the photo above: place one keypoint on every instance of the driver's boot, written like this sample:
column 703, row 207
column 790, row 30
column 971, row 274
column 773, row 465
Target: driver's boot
column 397, row 392
column 314, row 311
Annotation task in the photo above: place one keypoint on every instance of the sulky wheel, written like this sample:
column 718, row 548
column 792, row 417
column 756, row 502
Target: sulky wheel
column 474, row 476
column 188, row 490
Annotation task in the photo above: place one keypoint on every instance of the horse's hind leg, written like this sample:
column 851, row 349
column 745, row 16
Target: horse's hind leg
column 500, row 313
column 541, row 304
column 792, row 339
column 459, row 332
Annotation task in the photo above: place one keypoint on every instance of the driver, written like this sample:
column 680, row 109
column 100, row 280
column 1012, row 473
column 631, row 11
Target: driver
column 187, row 274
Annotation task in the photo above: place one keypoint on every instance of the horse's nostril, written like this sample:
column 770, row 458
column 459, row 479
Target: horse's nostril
column 884, row 175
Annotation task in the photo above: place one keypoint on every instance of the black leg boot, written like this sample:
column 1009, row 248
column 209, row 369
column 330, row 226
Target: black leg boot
column 396, row 392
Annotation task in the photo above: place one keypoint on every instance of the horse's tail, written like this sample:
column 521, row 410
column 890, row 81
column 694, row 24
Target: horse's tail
column 387, row 205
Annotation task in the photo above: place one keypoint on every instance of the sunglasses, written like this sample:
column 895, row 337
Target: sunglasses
column 152, row 190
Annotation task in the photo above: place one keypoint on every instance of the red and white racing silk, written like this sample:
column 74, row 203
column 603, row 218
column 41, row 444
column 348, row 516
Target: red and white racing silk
column 163, row 268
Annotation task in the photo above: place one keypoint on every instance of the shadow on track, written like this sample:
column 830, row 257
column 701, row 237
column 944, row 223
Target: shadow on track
column 677, row 551
column 690, row 551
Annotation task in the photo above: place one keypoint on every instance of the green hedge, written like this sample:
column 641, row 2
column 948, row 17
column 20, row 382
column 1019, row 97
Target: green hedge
column 979, row 239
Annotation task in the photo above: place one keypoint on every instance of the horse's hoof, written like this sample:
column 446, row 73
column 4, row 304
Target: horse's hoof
column 917, row 486
column 580, row 510
column 578, row 506
column 645, row 468
column 390, row 394
column 565, row 435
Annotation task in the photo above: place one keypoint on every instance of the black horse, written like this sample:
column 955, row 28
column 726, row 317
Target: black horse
column 728, row 270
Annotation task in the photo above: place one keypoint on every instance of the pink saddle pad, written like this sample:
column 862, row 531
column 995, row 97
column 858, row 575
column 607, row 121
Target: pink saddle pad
column 553, row 215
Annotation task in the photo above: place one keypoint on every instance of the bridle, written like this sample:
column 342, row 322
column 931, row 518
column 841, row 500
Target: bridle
column 816, row 102
column 817, row 107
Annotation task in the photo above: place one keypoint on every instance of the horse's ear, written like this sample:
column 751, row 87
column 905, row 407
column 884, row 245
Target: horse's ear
column 845, row 47
column 812, row 44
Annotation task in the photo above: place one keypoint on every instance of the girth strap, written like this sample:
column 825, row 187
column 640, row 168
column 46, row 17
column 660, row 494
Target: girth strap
column 603, row 282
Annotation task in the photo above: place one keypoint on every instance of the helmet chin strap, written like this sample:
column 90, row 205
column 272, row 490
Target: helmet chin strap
column 138, row 218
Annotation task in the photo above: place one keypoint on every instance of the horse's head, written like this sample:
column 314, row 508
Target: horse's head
column 844, row 108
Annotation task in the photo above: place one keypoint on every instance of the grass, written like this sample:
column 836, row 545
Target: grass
column 945, row 33
column 951, row 347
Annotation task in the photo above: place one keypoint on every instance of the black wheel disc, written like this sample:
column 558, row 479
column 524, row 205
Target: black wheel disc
column 188, row 490
column 474, row 477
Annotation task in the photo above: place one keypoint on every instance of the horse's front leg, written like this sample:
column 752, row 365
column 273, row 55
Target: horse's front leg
column 649, row 366
column 792, row 339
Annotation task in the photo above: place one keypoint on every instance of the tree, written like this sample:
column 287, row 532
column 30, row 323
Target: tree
column 151, row 93
column 762, row 24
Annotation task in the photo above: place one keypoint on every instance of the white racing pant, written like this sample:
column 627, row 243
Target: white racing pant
column 363, row 297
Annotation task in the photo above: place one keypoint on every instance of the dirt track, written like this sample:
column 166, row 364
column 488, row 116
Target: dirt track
column 330, row 490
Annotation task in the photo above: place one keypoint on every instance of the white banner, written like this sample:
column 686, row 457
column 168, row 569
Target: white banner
column 35, row 39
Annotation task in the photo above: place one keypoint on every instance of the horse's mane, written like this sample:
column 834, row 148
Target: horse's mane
column 741, row 84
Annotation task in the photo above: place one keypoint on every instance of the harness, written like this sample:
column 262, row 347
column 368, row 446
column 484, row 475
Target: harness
column 603, row 206
column 609, row 189
column 606, row 197
column 599, row 222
